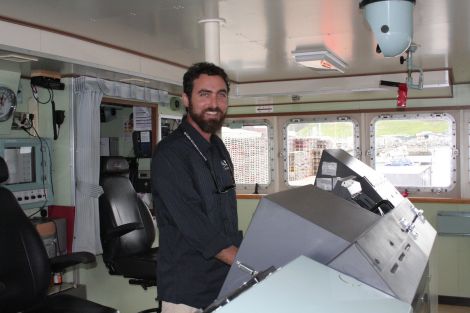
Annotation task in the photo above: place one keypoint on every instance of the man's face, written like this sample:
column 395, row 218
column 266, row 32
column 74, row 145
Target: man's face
column 208, row 104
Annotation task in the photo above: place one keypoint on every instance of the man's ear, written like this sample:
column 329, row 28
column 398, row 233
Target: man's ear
column 185, row 99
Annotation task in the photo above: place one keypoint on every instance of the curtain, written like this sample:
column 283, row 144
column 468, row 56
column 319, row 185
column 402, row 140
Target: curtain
column 87, row 95
column 87, row 99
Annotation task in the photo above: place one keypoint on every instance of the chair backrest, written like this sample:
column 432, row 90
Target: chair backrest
column 24, row 265
column 120, row 205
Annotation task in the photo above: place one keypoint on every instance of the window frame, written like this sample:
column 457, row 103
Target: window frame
column 454, row 188
column 318, row 119
column 262, row 188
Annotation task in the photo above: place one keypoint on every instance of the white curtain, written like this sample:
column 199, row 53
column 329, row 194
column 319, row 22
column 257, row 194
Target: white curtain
column 88, row 93
column 87, row 99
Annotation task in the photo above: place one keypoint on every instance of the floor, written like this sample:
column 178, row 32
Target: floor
column 444, row 308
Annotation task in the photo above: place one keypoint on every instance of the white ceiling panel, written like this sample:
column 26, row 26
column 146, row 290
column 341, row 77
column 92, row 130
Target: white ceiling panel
column 258, row 36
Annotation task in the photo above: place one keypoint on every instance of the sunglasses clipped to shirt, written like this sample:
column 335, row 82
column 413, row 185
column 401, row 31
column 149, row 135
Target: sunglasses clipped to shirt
column 220, row 190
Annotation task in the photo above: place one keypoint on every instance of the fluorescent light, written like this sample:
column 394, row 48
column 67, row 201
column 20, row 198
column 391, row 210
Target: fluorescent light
column 17, row 58
column 322, row 60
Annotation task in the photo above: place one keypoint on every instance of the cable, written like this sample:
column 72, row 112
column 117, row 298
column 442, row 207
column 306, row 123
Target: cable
column 42, row 141
column 27, row 131
column 35, row 92
column 43, row 176
column 27, row 124
column 50, row 158
column 51, row 100
column 31, row 215
column 376, row 207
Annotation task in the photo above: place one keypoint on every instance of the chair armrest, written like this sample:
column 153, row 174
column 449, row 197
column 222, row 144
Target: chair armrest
column 121, row 230
column 60, row 263
column 2, row 288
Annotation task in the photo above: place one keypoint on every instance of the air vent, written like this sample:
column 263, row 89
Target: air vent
column 17, row 58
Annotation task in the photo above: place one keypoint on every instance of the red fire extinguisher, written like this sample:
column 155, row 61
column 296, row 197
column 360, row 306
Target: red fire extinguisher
column 402, row 95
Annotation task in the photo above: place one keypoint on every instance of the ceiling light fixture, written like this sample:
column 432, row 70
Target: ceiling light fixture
column 17, row 58
column 322, row 60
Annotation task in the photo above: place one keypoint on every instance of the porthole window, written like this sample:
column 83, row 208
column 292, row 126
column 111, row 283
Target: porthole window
column 305, row 140
column 250, row 144
column 416, row 152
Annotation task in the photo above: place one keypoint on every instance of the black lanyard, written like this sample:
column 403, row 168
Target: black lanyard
column 211, row 170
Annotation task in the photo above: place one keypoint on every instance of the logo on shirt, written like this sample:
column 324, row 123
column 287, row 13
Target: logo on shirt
column 225, row 165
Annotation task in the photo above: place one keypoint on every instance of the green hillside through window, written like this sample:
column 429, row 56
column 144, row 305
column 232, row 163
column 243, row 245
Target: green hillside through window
column 410, row 127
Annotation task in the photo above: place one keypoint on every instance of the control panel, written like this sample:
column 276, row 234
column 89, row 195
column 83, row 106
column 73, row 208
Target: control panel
column 33, row 196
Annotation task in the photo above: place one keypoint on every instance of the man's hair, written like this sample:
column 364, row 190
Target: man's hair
column 197, row 70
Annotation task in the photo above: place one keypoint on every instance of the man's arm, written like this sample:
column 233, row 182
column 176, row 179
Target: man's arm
column 227, row 255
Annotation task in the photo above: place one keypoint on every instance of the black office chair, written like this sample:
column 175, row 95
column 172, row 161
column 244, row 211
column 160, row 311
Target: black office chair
column 127, row 226
column 25, row 269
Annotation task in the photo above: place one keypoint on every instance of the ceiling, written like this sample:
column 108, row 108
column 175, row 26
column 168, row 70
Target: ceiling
column 258, row 36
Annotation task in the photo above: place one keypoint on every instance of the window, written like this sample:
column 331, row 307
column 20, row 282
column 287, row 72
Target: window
column 249, row 143
column 305, row 140
column 415, row 151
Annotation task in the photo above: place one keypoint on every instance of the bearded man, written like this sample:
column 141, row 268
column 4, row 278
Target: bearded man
column 193, row 190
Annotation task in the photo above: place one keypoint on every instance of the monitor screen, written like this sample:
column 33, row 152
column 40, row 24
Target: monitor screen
column 30, row 170
column 21, row 164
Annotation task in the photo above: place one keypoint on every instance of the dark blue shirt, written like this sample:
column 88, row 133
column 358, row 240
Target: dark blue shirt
column 195, row 220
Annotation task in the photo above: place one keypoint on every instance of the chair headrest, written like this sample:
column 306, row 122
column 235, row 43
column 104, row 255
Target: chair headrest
column 3, row 170
column 114, row 165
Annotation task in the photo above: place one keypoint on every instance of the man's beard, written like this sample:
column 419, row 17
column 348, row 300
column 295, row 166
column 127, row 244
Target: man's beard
column 210, row 126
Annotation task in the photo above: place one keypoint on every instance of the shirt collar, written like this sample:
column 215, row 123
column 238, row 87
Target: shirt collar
column 201, row 143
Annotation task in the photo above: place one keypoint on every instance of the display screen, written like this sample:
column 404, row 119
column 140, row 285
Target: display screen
column 21, row 164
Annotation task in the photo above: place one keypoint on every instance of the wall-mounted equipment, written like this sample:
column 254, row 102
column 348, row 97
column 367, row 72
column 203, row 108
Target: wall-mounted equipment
column 22, row 120
column 411, row 68
column 29, row 167
column 46, row 79
column 50, row 81
column 176, row 104
column 7, row 103
column 57, row 120
column 402, row 93
column 391, row 22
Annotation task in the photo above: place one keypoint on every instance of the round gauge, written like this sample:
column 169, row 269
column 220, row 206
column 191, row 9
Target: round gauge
column 7, row 103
